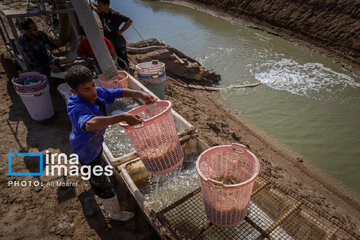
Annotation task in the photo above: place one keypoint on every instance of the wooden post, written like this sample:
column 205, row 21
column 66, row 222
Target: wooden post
column 96, row 40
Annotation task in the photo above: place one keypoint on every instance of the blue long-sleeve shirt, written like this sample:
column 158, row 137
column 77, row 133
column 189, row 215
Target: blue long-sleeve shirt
column 88, row 144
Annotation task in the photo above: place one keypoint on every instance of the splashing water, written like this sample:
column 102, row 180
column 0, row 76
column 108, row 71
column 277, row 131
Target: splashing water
column 118, row 141
column 214, row 54
column 310, row 79
column 163, row 190
column 115, row 136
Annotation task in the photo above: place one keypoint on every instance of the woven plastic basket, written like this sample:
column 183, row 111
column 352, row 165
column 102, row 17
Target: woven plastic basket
column 156, row 140
column 120, row 81
column 227, row 175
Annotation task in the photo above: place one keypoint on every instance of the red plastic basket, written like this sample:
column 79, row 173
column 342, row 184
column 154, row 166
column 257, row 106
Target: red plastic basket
column 120, row 81
column 156, row 140
column 226, row 203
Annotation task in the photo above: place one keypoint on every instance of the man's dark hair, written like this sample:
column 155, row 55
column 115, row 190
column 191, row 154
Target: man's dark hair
column 77, row 75
column 25, row 24
column 105, row 2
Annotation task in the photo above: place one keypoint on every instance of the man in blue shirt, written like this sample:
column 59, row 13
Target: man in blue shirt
column 34, row 45
column 87, row 111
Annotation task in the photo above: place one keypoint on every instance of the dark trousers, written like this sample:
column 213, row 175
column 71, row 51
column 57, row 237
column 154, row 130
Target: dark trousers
column 119, row 43
column 100, row 184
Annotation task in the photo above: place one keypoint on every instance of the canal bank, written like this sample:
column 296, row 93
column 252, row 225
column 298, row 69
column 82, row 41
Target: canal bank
column 219, row 124
column 329, row 28
column 305, row 101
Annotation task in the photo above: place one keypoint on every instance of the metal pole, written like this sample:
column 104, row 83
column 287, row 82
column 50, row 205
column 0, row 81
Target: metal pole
column 7, row 34
column 3, row 36
column 96, row 40
column 15, row 35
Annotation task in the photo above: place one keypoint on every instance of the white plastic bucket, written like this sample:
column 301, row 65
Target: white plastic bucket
column 38, row 104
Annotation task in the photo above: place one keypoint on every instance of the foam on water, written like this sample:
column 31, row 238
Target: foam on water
column 310, row 79
column 163, row 190
column 214, row 54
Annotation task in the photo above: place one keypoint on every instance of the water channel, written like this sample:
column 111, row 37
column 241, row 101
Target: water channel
column 306, row 101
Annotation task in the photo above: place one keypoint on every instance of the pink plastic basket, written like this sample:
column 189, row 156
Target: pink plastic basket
column 120, row 81
column 227, row 175
column 156, row 140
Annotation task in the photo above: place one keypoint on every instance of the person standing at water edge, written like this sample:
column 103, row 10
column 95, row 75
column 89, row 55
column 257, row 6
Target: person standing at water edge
column 87, row 112
column 111, row 21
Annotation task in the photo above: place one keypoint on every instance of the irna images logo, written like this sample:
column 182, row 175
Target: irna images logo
column 16, row 153
column 59, row 164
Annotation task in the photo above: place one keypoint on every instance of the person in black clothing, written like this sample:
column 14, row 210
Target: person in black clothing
column 34, row 43
column 111, row 21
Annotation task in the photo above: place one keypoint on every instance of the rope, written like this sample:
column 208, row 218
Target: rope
column 139, row 35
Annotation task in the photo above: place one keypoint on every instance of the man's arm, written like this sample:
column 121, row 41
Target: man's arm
column 109, row 95
column 100, row 122
column 125, row 27
column 93, row 6
column 113, row 55
column 147, row 98
column 52, row 43
column 111, row 49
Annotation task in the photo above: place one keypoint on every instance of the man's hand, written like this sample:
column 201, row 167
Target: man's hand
column 125, row 27
column 147, row 98
column 54, row 68
column 130, row 93
column 132, row 119
column 93, row 6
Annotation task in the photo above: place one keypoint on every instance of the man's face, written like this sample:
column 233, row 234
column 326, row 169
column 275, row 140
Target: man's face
column 86, row 91
column 102, row 7
column 33, row 31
